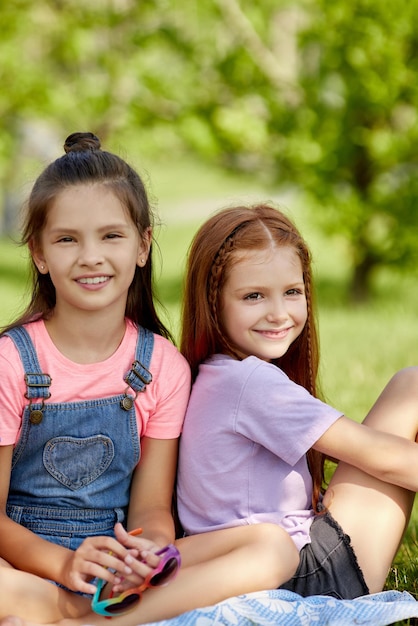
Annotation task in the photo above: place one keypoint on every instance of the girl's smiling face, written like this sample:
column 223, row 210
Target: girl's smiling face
column 263, row 303
column 90, row 247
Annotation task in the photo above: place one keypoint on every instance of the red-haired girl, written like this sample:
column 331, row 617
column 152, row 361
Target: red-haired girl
column 255, row 433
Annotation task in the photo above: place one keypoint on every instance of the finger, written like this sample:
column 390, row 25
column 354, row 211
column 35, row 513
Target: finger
column 93, row 549
column 149, row 557
column 128, row 540
column 106, row 567
column 127, row 584
column 120, row 533
column 138, row 567
column 87, row 584
column 86, row 587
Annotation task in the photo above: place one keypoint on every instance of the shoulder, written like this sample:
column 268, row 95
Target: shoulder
column 8, row 350
column 8, row 346
column 251, row 377
column 12, row 386
column 165, row 351
column 168, row 364
column 165, row 356
column 231, row 369
column 232, row 378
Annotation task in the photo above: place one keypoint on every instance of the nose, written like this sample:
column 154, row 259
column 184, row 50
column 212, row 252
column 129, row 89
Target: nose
column 90, row 254
column 277, row 311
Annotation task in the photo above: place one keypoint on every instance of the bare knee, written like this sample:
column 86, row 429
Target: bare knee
column 405, row 384
column 278, row 556
column 407, row 379
column 396, row 409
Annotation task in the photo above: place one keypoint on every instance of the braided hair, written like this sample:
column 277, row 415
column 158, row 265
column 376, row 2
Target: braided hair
column 211, row 256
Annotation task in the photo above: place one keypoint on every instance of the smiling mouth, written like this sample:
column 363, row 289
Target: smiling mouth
column 93, row 281
column 274, row 333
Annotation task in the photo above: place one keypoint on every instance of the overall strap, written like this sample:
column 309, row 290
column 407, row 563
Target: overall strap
column 139, row 375
column 37, row 383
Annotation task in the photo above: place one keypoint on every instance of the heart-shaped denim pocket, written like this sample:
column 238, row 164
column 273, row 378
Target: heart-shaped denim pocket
column 77, row 462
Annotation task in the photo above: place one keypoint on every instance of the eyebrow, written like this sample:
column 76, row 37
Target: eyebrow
column 70, row 230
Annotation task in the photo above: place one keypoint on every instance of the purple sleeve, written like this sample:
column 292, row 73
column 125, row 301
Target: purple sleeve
column 280, row 415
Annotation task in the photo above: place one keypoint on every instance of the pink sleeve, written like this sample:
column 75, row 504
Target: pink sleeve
column 169, row 393
column 12, row 389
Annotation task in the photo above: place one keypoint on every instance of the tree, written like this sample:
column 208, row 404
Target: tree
column 337, row 107
column 116, row 67
column 359, row 74
column 320, row 94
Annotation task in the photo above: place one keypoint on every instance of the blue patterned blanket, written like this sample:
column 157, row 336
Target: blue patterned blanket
column 279, row 607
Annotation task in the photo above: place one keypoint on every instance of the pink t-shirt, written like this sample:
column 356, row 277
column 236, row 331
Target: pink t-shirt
column 160, row 409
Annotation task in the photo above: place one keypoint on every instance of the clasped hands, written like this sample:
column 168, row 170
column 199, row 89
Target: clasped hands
column 124, row 561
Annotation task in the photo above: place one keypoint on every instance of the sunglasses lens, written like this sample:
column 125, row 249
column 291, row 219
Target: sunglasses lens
column 124, row 605
column 166, row 573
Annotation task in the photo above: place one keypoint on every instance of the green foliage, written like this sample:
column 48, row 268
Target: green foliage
column 324, row 95
column 358, row 73
column 315, row 94
column 320, row 95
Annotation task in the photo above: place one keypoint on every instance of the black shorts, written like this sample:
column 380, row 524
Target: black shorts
column 328, row 565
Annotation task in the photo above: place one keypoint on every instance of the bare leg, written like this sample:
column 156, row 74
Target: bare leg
column 217, row 565
column 26, row 595
column 373, row 513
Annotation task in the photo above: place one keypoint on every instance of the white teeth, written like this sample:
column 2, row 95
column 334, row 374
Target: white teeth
column 93, row 281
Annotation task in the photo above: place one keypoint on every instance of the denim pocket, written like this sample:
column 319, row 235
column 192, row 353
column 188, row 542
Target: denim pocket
column 77, row 462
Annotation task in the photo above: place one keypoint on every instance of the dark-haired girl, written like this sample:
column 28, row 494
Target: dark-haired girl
column 92, row 400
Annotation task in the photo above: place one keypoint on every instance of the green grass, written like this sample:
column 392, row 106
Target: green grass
column 361, row 346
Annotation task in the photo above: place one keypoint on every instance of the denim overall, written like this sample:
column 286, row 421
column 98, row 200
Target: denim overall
column 73, row 463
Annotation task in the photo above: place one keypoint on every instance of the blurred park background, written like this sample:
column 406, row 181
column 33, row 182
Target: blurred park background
column 308, row 103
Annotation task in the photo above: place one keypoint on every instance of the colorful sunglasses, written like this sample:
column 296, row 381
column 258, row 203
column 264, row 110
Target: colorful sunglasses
column 165, row 571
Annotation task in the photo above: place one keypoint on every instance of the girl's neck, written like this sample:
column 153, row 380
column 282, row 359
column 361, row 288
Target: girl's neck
column 88, row 340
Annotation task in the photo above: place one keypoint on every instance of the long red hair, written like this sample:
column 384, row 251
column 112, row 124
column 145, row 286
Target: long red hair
column 210, row 258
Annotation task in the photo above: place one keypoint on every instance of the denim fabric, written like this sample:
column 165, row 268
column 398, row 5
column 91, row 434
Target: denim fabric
column 73, row 463
column 328, row 565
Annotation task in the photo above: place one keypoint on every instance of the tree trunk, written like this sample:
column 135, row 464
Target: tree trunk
column 360, row 286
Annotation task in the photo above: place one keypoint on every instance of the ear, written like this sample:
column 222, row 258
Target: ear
column 38, row 257
column 144, row 247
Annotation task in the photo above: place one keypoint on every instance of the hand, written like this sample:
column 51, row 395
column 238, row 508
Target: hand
column 140, row 560
column 101, row 557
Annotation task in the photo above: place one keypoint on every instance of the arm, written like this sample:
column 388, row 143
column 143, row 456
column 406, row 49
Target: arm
column 18, row 545
column 150, row 505
column 152, row 490
column 385, row 456
column 25, row 551
column 150, row 508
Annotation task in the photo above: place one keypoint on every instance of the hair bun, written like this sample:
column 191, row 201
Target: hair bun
column 77, row 142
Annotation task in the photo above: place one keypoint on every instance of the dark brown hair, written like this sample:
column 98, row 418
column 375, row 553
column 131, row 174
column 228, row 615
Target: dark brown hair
column 210, row 258
column 85, row 163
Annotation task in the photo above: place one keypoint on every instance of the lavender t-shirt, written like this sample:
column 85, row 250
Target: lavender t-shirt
column 243, row 448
